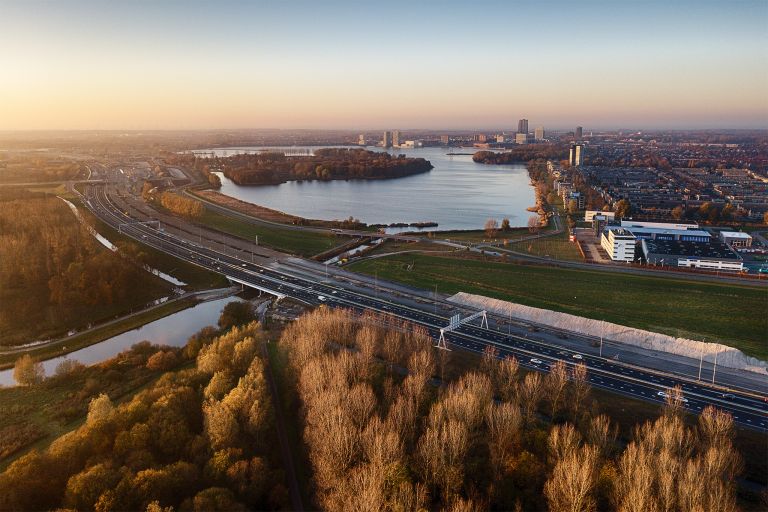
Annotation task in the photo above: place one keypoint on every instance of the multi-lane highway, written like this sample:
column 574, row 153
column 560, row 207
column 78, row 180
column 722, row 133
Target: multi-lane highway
column 748, row 409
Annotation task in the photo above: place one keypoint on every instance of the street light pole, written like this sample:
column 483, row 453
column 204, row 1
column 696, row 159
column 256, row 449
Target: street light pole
column 601, row 346
column 701, row 362
column 714, row 368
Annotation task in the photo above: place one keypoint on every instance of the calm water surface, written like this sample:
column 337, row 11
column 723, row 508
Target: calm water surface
column 457, row 194
column 173, row 330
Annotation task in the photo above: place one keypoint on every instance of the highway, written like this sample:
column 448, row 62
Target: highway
column 750, row 410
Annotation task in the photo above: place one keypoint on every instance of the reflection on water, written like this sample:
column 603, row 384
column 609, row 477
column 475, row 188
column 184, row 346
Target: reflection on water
column 457, row 194
column 173, row 330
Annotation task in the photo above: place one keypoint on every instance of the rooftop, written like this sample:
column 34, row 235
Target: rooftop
column 678, row 248
column 669, row 231
column 735, row 234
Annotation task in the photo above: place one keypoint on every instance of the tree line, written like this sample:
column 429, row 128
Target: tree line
column 523, row 153
column 325, row 164
column 181, row 205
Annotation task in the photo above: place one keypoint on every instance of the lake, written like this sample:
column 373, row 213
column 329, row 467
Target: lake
column 457, row 194
column 172, row 330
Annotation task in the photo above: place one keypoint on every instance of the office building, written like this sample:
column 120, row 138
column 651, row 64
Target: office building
column 500, row 139
column 445, row 140
column 663, row 225
column 521, row 138
column 579, row 133
column 539, row 133
column 619, row 244
column 480, row 137
column 676, row 253
column 576, row 155
column 667, row 231
column 361, row 140
column 591, row 214
column 522, row 126
column 387, row 140
column 736, row 239
column 396, row 138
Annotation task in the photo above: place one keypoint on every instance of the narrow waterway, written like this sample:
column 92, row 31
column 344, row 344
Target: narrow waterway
column 172, row 330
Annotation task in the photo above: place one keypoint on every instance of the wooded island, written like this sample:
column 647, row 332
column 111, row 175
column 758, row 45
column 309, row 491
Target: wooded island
column 326, row 164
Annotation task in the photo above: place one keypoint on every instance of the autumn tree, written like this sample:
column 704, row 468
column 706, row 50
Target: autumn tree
column 534, row 223
column 27, row 371
column 623, row 208
column 491, row 227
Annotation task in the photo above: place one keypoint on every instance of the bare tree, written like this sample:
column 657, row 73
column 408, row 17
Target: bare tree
column 602, row 434
column 715, row 427
column 442, row 451
column 490, row 362
column 504, row 423
column 491, row 228
column 554, row 385
column 507, row 378
column 570, row 488
column 635, row 482
column 530, row 394
column 581, row 386
column 563, row 440
column 534, row 223
column 673, row 402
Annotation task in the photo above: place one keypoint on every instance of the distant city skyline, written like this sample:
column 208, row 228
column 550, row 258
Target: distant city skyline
column 86, row 64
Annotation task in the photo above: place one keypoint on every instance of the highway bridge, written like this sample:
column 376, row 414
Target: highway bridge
column 748, row 409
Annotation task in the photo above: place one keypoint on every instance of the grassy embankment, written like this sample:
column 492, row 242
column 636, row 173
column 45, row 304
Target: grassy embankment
column 197, row 278
column 303, row 243
column 556, row 246
column 99, row 334
column 731, row 314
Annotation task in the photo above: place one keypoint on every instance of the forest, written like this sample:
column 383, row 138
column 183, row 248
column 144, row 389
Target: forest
column 380, row 436
column 326, row 164
column 383, row 422
column 55, row 276
column 199, row 438
column 524, row 153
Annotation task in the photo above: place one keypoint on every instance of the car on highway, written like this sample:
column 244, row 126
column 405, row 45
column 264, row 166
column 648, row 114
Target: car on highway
column 665, row 395
column 728, row 396
column 536, row 361
column 321, row 297
column 577, row 356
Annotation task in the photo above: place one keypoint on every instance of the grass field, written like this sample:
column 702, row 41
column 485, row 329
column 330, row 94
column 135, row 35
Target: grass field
column 556, row 246
column 303, row 243
column 731, row 314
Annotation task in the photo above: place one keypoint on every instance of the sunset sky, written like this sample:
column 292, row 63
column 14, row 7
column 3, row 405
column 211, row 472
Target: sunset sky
column 323, row 64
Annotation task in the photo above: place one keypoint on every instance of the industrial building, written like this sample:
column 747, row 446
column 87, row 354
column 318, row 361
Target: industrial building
column 619, row 243
column 714, row 255
column 736, row 239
